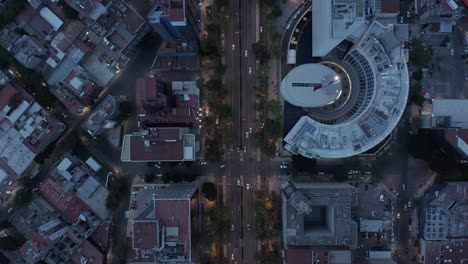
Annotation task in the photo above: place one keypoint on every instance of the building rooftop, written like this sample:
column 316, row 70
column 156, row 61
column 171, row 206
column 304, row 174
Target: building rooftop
column 311, row 85
column 87, row 253
column 450, row 113
column 445, row 251
column 159, row 221
column 174, row 10
column 27, row 220
column 318, row 214
column 334, row 21
column 308, row 255
column 159, row 144
column 367, row 121
column 177, row 56
column 67, row 204
column 27, row 128
column 102, row 117
column 444, row 217
column 458, row 140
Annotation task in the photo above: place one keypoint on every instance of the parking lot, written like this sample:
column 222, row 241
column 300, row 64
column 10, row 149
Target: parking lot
column 448, row 67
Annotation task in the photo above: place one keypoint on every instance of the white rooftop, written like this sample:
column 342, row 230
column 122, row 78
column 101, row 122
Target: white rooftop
column 456, row 109
column 311, row 85
column 93, row 164
column 333, row 21
column 386, row 78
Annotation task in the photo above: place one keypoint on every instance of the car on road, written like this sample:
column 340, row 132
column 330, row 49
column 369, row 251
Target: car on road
column 408, row 14
column 406, row 207
column 398, row 216
column 409, row 204
column 452, row 52
column 222, row 166
column 248, row 227
column 203, row 163
column 238, row 182
column 283, row 167
column 233, row 47
column 10, row 209
column 401, row 20
column 157, row 166
column 245, row 148
column 250, row 70
column 245, row 53
column 247, row 187
column 232, row 227
column 404, row 187
column 232, row 256
column 261, row 29
column 250, row 130
column 247, row 135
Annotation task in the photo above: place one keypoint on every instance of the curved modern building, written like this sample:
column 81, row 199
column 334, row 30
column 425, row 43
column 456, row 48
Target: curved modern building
column 353, row 102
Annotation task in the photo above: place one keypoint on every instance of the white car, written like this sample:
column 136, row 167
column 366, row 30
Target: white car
column 409, row 204
column 247, row 135
column 261, row 29
column 245, row 149
column 250, row 130
column 401, row 20
column 232, row 227
column 248, row 187
column 232, row 256
column 245, row 53
column 408, row 14
column 238, row 182
column 233, row 47
column 398, row 216
column 404, row 187
column 406, row 207
column 250, row 70
column 452, row 52
column 203, row 163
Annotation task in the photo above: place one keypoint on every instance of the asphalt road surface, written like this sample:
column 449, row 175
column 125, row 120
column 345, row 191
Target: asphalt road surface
column 242, row 161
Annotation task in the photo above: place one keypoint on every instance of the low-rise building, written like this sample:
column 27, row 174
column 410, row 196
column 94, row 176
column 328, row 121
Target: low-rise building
column 181, row 55
column 103, row 117
column 159, row 226
column 168, row 121
column 77, row 177
column 444, row 226
column 175, row 19
column 308, row 255
column 26, row 129
column 318, row 216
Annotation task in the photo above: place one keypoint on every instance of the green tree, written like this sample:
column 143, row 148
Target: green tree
column 209, row 190
column 120, row 188
column 260, row 52
column 418, row 75
column 415, row 94
column 126, row 111
column 420, row 56
column 275, row 12
column 272, row 256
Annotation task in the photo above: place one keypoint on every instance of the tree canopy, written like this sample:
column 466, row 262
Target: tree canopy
column 209, row 190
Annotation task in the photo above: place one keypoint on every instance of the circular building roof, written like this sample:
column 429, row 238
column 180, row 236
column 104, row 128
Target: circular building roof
column 311, row 85
column 381, row 81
